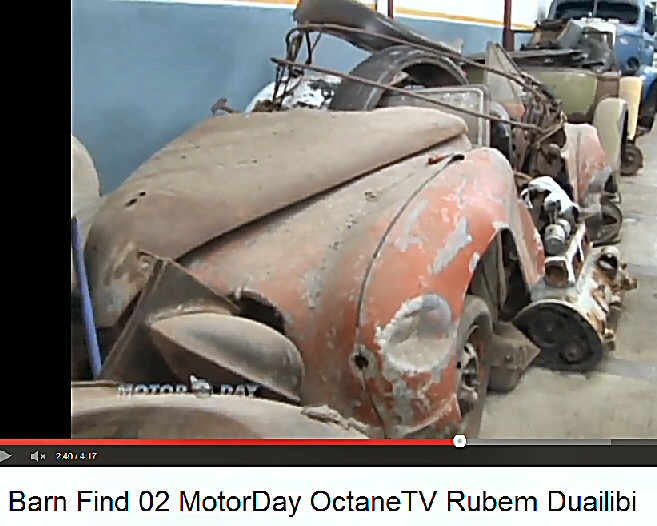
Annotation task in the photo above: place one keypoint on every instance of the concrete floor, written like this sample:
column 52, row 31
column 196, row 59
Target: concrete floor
column 620, row 401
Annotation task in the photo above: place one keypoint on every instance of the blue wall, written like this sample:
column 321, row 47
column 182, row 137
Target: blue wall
column 143, row 73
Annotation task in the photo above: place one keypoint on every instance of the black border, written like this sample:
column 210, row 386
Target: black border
column 37, row 391
column 323, row 456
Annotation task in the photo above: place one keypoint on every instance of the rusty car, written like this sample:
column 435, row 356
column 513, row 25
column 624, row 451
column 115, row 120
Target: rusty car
column 375, row 269
column 377, row 279
column 401, row 58
column 575, row 59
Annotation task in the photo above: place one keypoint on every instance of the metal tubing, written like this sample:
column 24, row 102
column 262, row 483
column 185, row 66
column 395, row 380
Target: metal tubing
column 87, row 308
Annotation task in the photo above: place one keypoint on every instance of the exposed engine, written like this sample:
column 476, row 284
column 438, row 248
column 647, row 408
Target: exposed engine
column 524, row 121
column 555, row 214
column 487, row 243
column 569, row 44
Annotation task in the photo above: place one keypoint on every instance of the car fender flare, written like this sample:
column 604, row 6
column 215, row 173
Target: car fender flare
column 414, row 292
column 611, row 120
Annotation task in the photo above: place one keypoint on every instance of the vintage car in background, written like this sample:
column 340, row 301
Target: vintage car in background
column 576, row 61
column 631, row 26
column 402, row 58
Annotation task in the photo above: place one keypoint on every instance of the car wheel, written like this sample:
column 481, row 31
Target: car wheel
column 474, row 342
column 632, row 160
column 397, row 65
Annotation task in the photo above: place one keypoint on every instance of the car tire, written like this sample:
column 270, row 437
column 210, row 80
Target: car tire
column 429, row 69
column 474, row 333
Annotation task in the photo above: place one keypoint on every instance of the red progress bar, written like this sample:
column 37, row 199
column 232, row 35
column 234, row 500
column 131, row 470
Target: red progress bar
column 213, row 442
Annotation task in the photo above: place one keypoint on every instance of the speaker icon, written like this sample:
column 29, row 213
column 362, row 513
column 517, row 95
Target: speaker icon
column 35, row 456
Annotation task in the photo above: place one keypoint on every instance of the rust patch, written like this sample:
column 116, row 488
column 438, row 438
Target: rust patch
column 474, row 261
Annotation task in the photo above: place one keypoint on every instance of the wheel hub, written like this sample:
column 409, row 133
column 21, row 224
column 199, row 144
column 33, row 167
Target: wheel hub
column 567, row 341
column 632, row 160
column 573, row 353
column 468, row 384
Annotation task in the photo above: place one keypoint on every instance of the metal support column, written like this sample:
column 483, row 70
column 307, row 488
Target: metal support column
column 507, row 35
column 386, row 7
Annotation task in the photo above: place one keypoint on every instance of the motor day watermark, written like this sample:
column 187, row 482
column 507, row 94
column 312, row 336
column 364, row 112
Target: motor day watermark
column 197, row 386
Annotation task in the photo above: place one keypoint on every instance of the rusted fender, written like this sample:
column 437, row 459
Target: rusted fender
column 414, row 386
column 586, row 161
column 98, row 412
column 315, row 283
column 347, row 243
column 611, row 121
column 233, row 169
column 630, row 92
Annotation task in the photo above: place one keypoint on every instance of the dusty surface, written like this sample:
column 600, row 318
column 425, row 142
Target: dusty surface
column 621, row 400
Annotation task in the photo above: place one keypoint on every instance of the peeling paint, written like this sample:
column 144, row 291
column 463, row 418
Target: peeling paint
column 370, row 369
column 460, row 199
column 408, row 238
column 425, row 317
column 474, row 261
column 500, row 225
column 413, row 368
column 460, row 239
column 415, row 356
column 447, row 407
column 313, row 287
